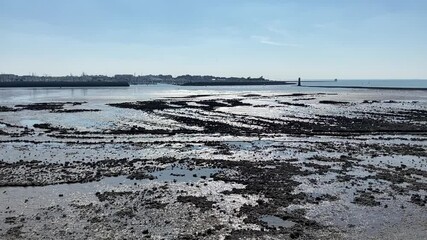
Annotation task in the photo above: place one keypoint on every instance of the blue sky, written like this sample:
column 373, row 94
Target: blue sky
column 279, row 39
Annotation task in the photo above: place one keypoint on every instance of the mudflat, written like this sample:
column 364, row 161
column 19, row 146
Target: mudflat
column 215, row 165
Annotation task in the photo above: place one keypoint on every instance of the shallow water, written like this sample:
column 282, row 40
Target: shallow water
column 273, row 221
column 183, row 174
column 11, row 96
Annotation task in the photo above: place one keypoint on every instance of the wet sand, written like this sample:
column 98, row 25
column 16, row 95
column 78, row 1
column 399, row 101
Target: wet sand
column 317, row 165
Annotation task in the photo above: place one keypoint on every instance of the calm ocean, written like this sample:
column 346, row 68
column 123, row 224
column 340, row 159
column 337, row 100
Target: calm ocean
column 405, row 83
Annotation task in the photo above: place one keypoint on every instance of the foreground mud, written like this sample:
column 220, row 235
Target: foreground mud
column 248, row 166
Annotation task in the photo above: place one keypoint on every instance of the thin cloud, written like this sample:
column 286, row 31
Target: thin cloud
column 267, row 41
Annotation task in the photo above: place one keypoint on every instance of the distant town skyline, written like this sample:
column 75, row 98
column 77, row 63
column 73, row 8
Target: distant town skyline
column 277, row 39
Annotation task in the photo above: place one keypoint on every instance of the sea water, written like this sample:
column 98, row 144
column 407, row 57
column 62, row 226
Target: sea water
column 11, row 96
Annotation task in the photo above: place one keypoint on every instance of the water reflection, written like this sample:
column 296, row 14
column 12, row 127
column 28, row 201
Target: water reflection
column 146, row 92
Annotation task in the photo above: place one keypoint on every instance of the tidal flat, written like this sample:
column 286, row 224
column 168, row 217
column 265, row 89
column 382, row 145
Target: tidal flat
column 168, row 162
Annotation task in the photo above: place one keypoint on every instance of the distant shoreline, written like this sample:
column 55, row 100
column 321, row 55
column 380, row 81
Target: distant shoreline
column 64, row 84
column 249, row 83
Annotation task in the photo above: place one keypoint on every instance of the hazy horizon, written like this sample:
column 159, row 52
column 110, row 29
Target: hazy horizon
column 280, row 40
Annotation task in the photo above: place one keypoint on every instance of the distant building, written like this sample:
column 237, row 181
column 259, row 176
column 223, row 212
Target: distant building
column 124, row 77
column 9, row 77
